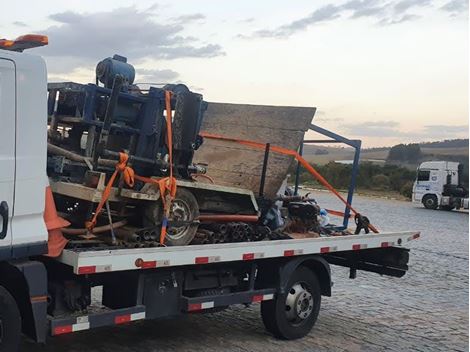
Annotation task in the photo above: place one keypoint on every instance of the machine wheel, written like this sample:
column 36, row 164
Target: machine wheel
column 292, row 315
column 430, row 201
column 10, row 322
column 183, row 208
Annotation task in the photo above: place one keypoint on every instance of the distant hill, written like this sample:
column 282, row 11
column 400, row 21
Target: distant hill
column 452, row 150
column 448, row 143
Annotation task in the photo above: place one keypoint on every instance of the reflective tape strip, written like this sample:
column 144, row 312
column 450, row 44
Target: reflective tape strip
column 93, row 269
column 121, row 319
column 251, row 256
column 138, row 316
column 59, row 330
column 206, row 260
column 386, row 244
column 66, row 329
column 80, row 326
column 149, row 264
column 259, row 298
column 292, row 252
column 192, row 307
column 359, row 246
column 328, row 249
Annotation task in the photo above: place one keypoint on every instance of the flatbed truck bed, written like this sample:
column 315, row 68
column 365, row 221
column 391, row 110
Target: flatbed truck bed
column 85, row 261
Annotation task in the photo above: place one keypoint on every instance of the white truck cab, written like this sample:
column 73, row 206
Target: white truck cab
column 438, row 184
column 23, row 178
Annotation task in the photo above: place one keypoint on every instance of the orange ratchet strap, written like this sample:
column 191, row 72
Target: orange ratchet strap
column 166, row 185
column 297, row 156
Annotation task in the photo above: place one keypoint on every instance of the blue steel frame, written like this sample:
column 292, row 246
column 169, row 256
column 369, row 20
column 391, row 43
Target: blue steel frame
column 335, row 138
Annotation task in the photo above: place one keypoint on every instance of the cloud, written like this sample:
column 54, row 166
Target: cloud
column 445, row 131
column 403, row 5
column 82, row 39
column 20, row 24
column 325, row 13
column 390, row 20
column 373, row 129
column 189, row 18
column 455, row 7
column 364, row 8
column 393, row 129
column 382, row 12
column 155, row 76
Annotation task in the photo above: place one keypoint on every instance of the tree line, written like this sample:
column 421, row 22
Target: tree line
column 370, row 176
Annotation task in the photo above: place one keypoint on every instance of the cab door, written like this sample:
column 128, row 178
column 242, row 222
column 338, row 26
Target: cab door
column 7, row 152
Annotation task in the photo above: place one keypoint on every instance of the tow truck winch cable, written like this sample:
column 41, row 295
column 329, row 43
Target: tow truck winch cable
column 166, row 185
column 298, row 157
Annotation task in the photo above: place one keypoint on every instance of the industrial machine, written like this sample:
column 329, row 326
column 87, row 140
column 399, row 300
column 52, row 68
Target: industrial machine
column 439, row 184
column 112, row 170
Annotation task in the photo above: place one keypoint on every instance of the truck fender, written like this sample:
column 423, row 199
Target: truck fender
column 27, row 283
column 315, row 263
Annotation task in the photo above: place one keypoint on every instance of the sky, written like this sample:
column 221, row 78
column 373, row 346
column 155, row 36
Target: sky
column 384, row 71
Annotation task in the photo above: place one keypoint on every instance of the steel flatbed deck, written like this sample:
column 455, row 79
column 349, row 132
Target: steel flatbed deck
column 99, row 261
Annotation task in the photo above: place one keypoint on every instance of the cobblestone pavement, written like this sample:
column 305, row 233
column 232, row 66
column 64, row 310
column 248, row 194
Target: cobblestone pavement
column 426, row 310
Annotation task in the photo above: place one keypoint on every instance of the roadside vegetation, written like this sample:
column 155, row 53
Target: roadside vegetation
column 395, row 175
column 388, row 178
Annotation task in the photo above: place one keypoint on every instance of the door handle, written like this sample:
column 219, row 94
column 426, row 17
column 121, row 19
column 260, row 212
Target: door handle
column 4, row 215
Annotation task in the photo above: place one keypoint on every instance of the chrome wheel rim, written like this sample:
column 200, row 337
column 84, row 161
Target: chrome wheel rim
column 299, row 303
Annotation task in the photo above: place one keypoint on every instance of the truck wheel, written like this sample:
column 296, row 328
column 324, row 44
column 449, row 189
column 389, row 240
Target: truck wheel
column 430, row 201
column 292, row 315
column 183, row 208
column 10, row 322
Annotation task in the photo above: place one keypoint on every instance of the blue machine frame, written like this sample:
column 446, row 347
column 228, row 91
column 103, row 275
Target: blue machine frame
column 335, row 138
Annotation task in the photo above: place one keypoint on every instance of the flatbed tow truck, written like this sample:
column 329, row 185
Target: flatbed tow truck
column 44, row 295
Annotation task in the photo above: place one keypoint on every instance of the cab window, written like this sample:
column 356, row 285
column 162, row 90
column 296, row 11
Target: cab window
column 423, row 175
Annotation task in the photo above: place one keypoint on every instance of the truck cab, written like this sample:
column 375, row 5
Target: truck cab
column 23, row 179
column 438, row 184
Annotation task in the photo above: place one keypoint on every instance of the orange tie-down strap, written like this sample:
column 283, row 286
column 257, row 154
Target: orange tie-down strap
column 297, row 156
column 166, row 185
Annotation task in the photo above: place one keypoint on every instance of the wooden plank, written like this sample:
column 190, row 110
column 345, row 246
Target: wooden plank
column 232, row 164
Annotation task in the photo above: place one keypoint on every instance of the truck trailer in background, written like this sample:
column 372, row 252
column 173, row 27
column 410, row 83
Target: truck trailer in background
column 439, row 184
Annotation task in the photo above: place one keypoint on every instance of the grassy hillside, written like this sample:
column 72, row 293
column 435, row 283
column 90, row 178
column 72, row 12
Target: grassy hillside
column 446, row 150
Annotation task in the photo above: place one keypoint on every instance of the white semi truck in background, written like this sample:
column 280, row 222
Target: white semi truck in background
column 42, row 294
column 439, row 184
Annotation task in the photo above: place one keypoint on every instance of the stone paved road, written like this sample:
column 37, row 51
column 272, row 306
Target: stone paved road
column 426, row 310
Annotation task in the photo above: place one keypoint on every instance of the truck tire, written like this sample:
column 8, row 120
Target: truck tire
column 292, row 315
column 183, row 208
column 430, row 201
column 10, row 322
column 447, row 207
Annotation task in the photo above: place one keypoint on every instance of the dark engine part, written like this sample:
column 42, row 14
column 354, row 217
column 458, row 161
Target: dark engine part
column 303, row 217
column 78, row 116
column 455, row 191
column 186, row 126
column 68, row 296
column 109, row 68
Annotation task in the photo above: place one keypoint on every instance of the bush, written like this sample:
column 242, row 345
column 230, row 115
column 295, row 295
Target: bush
column 407, row 189
column 381, row 181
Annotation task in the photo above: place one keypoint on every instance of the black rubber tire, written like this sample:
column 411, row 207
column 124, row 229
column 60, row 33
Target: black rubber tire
column 153, row 215
column 273, row 312
column 447, row 207
column 10, row 326
column 430, row 201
